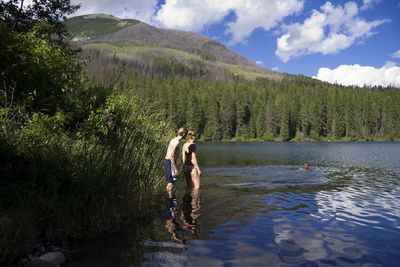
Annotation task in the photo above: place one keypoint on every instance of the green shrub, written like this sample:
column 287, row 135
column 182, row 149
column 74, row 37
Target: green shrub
column 43, row 74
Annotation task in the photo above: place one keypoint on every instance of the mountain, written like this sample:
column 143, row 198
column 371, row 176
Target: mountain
column 139, row 44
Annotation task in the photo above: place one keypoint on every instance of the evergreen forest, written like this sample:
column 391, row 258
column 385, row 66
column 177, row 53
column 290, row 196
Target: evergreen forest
column 291, row 108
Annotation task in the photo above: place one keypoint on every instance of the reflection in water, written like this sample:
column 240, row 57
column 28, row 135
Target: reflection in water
column 170, row 215
column 308, row 242
column 187, row 229
column 342, row 228
column 190, row 208
column 180, row 231
column 362, row 204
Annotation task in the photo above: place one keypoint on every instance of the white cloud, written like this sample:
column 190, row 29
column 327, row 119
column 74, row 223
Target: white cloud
column 190, row 14
column 259, row 62
column 193, row 15
column 131, row 9
column 136, row 9
column 367, row 4
column 390, row 64
column 275, row 68
column 327, row 31
column 362, row 75
column 396, row 54
column 252, row 14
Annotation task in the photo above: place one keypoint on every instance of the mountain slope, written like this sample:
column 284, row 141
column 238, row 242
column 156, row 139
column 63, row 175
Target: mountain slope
column 135, row 41
column 84, row 28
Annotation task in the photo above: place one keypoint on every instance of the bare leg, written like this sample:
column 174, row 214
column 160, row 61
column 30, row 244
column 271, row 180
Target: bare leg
column 195, row 179
column 189, row 183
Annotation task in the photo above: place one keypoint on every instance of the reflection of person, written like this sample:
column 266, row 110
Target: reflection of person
column 190, row 208
column 171, row 171
column 170, row 211
column 305, row 167
column 191, row 167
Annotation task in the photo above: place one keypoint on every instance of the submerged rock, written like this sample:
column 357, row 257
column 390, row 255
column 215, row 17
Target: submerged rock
column 55, row 257
column 50, row 259
column 38, row 262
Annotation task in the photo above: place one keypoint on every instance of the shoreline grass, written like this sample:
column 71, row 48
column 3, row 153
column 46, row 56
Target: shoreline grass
column 71, row 185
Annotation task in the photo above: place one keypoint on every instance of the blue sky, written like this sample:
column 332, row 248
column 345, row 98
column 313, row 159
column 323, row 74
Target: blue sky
column 348, row 42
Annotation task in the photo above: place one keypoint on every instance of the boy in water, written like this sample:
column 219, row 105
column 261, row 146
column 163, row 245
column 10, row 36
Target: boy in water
column 171, row 171
column 305, row 167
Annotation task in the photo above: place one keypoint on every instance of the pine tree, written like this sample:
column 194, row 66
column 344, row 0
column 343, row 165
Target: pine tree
column 212, row 127
column 228, row 112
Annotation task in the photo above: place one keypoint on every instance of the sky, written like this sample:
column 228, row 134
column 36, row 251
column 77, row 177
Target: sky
column 346, row 42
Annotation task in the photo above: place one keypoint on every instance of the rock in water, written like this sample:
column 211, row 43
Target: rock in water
column 55, row 257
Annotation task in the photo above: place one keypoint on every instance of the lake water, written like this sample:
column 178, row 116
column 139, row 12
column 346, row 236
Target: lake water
column 255, row 208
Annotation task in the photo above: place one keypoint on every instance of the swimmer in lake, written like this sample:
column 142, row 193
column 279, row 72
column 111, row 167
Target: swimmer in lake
column 305, row 167
column 189, row 157
column 171, row 171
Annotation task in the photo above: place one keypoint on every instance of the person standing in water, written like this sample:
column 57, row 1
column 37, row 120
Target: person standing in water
column 171, row 172
column 191, row 167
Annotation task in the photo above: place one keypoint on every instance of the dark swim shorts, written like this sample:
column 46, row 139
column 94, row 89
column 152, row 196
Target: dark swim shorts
column 169, row 171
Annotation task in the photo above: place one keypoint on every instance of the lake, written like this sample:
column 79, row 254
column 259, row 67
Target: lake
column 255, row 208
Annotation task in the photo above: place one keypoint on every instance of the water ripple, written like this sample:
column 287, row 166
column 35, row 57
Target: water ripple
column 270, row 176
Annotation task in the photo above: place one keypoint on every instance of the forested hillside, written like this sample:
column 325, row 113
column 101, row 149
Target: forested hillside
column 151, row 48
column 294, row 108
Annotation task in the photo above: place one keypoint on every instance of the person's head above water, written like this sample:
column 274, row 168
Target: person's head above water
column 182, row 132
column 305, row 167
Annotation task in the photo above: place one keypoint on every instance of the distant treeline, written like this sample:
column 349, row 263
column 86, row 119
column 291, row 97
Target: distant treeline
column 292, row 108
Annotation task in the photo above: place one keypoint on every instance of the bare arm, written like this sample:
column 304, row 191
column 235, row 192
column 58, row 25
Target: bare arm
column 183, row 154
column 174, row 147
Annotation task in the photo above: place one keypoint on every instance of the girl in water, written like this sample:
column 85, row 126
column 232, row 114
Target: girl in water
column 191, row 167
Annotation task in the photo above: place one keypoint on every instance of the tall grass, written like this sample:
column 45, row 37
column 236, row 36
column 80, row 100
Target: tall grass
column 60, row 184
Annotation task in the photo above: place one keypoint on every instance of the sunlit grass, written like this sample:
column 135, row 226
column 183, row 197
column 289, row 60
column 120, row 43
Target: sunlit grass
column 125, row 50
column 95, row 25
column 243, row 71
